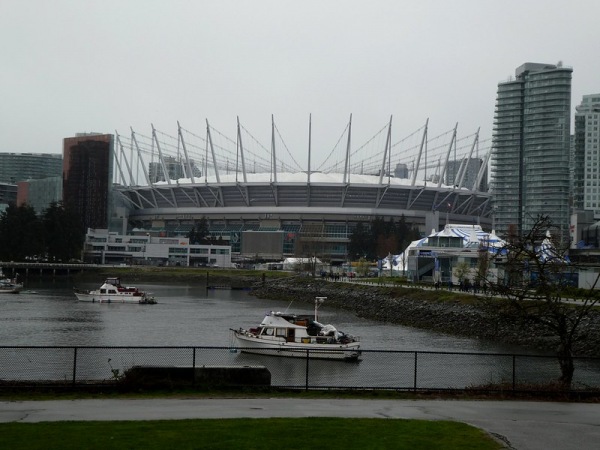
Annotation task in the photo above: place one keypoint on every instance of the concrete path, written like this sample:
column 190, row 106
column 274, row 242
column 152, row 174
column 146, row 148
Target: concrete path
column 522, row 425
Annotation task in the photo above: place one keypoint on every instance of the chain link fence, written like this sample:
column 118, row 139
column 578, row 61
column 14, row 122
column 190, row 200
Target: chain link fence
column 375, row 369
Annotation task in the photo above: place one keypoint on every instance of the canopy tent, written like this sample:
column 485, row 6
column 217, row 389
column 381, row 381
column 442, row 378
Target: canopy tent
column 472, row 236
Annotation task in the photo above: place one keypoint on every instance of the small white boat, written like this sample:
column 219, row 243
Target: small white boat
column 112, row 291
column 283, row 334
column 9, row 285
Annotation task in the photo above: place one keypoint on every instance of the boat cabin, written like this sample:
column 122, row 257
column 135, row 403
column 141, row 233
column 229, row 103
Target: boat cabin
column 291, row 328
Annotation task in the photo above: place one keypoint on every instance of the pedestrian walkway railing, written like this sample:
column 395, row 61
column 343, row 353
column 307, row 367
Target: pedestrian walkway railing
column 375, row 369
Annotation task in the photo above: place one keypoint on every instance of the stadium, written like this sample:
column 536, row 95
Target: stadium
column 259, row 200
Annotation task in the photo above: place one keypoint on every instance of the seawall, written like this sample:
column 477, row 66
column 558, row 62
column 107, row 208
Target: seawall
column 455, row 314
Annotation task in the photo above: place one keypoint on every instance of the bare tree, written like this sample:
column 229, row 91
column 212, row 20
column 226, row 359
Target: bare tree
column 535, row 286
column 462, row 270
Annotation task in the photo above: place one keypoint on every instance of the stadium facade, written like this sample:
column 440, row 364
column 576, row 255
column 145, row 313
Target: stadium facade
column 265, row 210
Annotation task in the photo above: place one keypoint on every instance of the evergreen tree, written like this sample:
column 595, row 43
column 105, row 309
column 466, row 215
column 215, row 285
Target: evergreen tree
column 199, row 234
column 359, row 245
column 63, row 233
column 380, row 238
column 21, row 234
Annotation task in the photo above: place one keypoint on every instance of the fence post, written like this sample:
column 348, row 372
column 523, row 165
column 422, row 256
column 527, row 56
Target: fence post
column 514, row 371
column 415, row 375
column 307, row 365
column 74, row 364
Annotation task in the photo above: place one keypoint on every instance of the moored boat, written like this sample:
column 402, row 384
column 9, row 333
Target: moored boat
column 9, row 285
column 301, row 336
column 112, row 291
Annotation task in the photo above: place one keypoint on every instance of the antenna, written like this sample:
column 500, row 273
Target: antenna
column 288, row 307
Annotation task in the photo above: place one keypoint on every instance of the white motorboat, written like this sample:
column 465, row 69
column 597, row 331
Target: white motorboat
column 112, row 291
column 9, row 285
column 283, row 334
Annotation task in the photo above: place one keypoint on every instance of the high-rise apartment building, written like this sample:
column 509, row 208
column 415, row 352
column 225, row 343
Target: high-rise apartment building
column 465, row 173
column 16, row 167
column 39, row 194
column 8, row 195
column 175, row 169
column 586, row 156
column 530, row 158
column 87, row 177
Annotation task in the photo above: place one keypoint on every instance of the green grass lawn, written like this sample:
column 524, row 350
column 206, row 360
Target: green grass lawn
column 247, row 434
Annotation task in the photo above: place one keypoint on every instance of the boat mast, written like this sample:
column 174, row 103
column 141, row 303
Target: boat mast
column 318, row 301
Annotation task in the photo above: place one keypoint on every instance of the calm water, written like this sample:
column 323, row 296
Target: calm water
column 186, row 315
column 48, row 314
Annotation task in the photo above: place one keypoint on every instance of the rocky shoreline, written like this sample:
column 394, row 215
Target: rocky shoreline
column 418, row 308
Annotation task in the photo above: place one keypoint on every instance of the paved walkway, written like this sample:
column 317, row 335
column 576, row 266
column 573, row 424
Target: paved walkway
column 522, row 425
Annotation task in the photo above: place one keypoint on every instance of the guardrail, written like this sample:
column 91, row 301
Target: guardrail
column 376, row 369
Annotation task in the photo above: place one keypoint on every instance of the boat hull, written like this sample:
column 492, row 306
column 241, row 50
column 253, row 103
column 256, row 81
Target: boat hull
column 14, row 289
column 337, row 351
column 106, row 298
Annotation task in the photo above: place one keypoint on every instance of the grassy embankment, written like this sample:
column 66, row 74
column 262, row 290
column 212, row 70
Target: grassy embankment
column 136, row 274
column 247, row 278
column 293, row 433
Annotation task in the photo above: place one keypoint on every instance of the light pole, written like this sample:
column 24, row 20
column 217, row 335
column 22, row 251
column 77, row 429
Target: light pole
column 144, row 249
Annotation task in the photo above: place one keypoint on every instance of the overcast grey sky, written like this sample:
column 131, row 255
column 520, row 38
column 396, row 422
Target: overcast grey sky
column 72, row 66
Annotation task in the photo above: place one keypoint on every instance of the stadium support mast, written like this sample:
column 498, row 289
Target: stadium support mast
column 241, row 149
column 309, row 144
column 273, row 156
column 388, row 143
column 188, row 164
column 212, row 151
column 124, row 156
column 117, row 155
column 465, row 166
column 423, row 142
column 347, row 165
column 444, row 167
column 140, row 160
column 160, row 156
column 482, row 170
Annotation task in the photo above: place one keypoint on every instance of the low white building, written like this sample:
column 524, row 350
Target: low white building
column 146, row 248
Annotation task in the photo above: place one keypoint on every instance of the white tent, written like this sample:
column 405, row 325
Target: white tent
column 472, row 235
column 295, row 263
